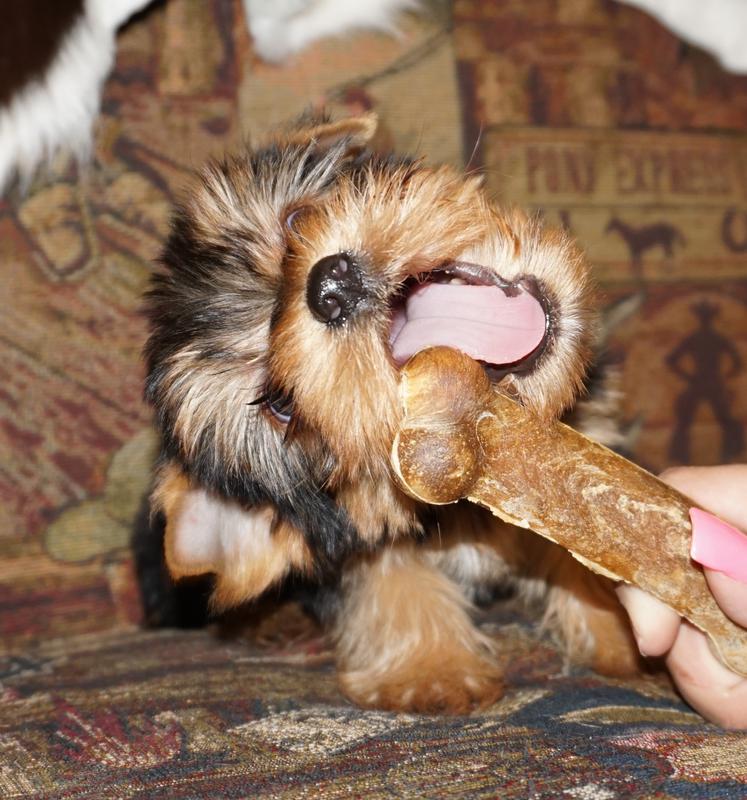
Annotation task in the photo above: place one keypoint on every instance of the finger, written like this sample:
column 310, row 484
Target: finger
column 731, row 595
column 718, row 545
column 710, row 688
column 654, row 625
column 720, row 489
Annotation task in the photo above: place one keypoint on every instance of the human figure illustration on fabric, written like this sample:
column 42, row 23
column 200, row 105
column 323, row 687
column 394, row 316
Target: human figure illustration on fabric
column 706, row 381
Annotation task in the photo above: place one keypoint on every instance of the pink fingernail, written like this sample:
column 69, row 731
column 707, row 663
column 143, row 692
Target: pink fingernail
column 718, row 546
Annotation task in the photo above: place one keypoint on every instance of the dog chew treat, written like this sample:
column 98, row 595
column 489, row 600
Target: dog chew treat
column 460, row 438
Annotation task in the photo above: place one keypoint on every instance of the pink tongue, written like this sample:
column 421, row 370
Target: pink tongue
column 481, row 321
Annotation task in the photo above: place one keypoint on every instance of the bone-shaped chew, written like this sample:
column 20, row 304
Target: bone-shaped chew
column 460, row 438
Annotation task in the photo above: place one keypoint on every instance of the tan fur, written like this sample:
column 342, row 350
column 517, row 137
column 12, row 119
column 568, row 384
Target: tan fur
column 581, row 610
column 204, row 394
column 375, row 505
column 268, row 550
column 584, row 613
column 357, row 130
column 405, row 637
column 285, row 550
column 168, row 497
column 392, row 222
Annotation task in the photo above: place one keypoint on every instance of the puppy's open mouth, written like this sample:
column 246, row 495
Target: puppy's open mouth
column 504, row 325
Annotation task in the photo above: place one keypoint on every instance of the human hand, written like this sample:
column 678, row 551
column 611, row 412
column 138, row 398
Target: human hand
column 713, row 690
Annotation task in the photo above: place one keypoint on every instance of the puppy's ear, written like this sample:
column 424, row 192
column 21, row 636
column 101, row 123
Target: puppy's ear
column 244, row 548
column 356, row 132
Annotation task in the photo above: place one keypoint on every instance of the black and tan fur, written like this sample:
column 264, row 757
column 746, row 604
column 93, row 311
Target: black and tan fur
column 233, row 336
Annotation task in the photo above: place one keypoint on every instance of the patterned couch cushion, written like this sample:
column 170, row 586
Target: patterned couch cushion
column 187, row 715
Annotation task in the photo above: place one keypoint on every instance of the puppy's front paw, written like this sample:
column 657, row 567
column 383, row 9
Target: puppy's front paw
column 592, row 624
column 455, row 680
column 615, row 652
column 406, row 641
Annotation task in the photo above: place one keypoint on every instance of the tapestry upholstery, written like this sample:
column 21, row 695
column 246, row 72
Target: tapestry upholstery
column 584, row 110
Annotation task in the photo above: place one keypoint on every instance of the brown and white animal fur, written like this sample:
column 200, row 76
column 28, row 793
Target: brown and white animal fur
column 253, row 498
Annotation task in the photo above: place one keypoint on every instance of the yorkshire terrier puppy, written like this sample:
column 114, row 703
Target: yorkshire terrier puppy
column 297, row 280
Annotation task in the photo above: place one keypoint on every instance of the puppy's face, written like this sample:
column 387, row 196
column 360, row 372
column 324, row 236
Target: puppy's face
column 297, row 280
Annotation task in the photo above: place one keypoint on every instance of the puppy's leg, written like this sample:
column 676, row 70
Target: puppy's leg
column 586, row 616
column 406, row 641
column 166, row 603
column 580, row 608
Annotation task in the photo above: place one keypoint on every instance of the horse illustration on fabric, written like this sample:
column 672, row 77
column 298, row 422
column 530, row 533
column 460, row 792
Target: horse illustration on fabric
column 641, row 239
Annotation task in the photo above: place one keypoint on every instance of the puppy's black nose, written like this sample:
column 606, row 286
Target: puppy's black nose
column 335, row 289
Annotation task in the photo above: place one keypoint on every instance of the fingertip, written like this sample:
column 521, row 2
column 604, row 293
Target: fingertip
column 654, row 624
column 718, row 545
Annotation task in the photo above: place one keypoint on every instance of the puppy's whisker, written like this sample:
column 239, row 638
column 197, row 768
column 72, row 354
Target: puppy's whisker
column 476, row 147
column 222, row 371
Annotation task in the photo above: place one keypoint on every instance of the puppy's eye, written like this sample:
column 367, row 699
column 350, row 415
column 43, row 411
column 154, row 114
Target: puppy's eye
column 293, row 218
column 280, row 405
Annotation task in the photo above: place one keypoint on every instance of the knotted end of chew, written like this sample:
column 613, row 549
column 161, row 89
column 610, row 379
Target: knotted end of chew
column 436, row 454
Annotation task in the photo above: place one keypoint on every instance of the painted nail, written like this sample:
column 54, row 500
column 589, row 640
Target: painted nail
column 718, row 546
